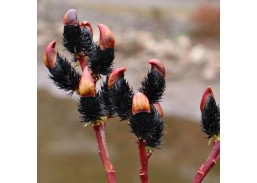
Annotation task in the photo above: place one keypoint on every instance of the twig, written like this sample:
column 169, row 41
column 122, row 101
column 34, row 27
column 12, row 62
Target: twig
column 144, row 157
column 103, row 152
column 82, row 60
column 209, row 163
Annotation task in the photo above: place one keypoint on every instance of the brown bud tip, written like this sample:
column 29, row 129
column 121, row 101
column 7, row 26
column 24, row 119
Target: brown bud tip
column 107, row 39
column 88, row 26
column 115, row 75
column 70, row 18
column 50, row 55
column 158, row 107
column 140, row 103
column 208, row 92
column 158, row 66
column 86, row 84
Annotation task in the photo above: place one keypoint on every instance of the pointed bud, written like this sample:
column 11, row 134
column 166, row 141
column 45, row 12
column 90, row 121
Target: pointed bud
column 50, row 55
column 70, row 18
column 158, row 107
column 87, row 84
column 208, row 92
column 107, row 39
column 157, row 66
column 140, row 103
column 210, row 117
column 88, row 26
column 115, row 75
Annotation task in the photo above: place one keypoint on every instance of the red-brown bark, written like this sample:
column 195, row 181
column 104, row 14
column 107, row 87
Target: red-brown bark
column 209, row 163
column 144, row 157
column 103, row 152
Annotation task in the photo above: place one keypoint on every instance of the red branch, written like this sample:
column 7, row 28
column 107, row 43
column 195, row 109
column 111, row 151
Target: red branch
column 144, row 156
column 103, row 152
column 209, row 163
column 83, row 62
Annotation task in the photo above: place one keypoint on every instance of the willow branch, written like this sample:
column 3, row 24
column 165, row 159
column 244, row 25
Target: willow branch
column 103, row 152
column 144, row 157
column 209, row 163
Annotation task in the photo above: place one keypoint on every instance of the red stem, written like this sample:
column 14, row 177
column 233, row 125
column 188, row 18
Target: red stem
column 83, row 62
column 103, row 152
column 144, row 156
column 209, row 163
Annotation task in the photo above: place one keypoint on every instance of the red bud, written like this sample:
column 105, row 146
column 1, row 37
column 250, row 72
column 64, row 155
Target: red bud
column 70, row 18
column 50, row 55
column 107, row 39
column 115, row 75
column 158, row 107
column 87, row 84
column 208, row 92
column 140, row 103
column 88, row 26
column 158, row 66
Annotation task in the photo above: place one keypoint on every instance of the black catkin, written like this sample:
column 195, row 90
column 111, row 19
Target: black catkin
column 91, row 109
column 210, row 119
column 64, row 75
column 148, row 127
column 104, row 92
column 121, row 95
column 76, row 40
column 153, row 86
column 87, row 43
column 71, row 38
column 101, row 62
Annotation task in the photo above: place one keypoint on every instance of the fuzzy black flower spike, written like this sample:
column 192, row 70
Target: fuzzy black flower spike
column 88, row 46
column 76, row 38
column 63, row 74
column 104, row 92
column 210, row 122
column 91, row 106
column 153, row 85
column 146, row 123
column 101, row 62
column 93, row 111
column 120, row 93
column 210, row 118
column 72, row 32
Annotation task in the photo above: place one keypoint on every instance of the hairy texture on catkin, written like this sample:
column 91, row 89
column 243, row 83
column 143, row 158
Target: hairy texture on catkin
column 71, row 38
column 148, row 127
column 64, row 75
column 153, row 86
column 87, row 43
column 104, row 92
column 121, row 95
column 91, row 109
column 210, row 121
column 76, row 40
column 101, row 61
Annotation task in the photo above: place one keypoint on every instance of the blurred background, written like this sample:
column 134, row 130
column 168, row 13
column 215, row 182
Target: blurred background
column 185, row 36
